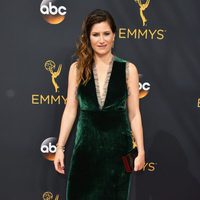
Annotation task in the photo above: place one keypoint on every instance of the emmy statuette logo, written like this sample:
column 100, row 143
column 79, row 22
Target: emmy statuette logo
column 46, row 97
column 49, row 196
column 143, row 31
column 51, row 67
column 143, row 7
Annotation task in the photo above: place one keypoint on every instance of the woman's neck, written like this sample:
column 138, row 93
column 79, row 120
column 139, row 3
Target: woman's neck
column 103, row 59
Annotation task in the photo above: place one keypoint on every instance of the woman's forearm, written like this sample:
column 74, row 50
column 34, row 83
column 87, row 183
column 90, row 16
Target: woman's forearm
column 68, row 118
column 136, row 126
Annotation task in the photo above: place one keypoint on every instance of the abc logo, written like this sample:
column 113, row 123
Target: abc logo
column 52, row 9
column 48, row 148
column 143, row 87
column 53, row 13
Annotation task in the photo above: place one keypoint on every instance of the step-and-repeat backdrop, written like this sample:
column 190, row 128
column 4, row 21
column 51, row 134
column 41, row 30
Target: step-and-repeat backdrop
column 38, row 42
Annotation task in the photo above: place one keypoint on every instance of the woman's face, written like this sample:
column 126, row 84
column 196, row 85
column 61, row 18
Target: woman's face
column 101, row 38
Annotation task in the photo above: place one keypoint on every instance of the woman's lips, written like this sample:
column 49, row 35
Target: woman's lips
column 102, row 46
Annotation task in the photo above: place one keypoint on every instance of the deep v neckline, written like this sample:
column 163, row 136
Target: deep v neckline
column 102, row 99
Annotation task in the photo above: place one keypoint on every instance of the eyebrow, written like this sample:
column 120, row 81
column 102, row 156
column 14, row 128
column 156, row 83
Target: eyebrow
column 98, row 32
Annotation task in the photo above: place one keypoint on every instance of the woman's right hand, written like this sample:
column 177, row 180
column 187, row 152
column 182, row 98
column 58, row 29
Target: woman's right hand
column 59, row 161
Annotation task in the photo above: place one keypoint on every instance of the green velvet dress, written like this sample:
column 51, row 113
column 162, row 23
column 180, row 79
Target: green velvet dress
column 103, row 135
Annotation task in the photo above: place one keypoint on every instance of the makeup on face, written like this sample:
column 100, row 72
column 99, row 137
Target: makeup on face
column 101, row 37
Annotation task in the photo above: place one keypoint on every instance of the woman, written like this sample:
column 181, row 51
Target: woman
column 106, row 87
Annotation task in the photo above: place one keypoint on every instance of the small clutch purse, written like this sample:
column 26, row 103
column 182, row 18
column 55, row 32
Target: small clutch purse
column 128, row 159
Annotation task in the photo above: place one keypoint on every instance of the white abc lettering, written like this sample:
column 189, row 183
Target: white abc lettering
column 48, row 149
column 52, row 9
column 60, row 10
column 44, row 10
column 145, row 86
column 44, row 149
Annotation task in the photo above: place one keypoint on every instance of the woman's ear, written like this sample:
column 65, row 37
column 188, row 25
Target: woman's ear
column 114, row 37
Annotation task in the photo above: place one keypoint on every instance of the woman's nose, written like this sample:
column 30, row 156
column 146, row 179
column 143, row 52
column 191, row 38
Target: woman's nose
column 101, row 39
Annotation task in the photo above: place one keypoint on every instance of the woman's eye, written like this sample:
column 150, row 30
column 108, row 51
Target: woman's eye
column 107, row 33
column 96, row 34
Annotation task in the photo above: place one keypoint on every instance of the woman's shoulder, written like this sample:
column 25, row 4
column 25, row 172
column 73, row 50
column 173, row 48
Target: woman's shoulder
column 119, row 59
column 128, row 63
column 73, row 69
column 74, row 66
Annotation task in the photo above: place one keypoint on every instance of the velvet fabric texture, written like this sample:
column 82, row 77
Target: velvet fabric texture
column 103, row 135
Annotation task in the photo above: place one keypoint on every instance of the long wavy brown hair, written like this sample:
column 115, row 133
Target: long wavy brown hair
column 84, row 50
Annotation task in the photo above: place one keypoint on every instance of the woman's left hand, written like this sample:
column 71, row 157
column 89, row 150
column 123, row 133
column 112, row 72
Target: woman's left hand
column 139, row 162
